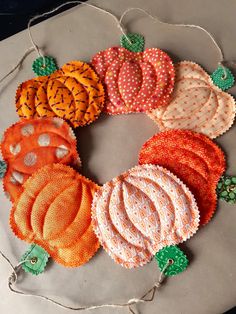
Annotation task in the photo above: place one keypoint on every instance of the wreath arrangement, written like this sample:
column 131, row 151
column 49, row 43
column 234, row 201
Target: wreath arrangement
column 144, row 212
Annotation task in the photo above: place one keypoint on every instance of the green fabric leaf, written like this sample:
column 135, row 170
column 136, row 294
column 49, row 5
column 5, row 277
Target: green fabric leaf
column 219, row 79
column 136, row 43
column 178, row 259
column 226, row 189
column 41, row 69
column 3, row 168
column 38, row 259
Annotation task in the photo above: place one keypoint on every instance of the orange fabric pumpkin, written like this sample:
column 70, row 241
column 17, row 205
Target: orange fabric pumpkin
column 30, row 144
column 73, row 93
column 54, row 211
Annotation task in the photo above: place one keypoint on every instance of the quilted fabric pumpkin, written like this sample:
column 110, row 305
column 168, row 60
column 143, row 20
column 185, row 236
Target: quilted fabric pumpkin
column 30, row 144
column 73, row 93
column 54, row 211
column 142, row 210
column 194, row 158
column 197, row 104
column 135, row 82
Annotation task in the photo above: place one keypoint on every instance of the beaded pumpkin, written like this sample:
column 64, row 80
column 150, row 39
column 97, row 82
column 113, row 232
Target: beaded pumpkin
column 30, row 144
column 194, row 158
column 141, row 211
column 73, row 93
column 135, row 82
column 197, row 104
column 54, row 211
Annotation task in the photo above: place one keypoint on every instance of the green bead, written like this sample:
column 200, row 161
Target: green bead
column 44, row 66
column 134, row 44
column 38, row 259
column 226, row 189
column 175, row 256
column 219, row 79
column 3, row 168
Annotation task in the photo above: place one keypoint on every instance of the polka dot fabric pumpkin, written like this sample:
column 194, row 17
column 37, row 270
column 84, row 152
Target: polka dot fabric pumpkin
column 141, row 211
column 135, row 82
column 73, row 93
column 30, row 144
column 54, row 211
column 197, row 104
column 194, row 158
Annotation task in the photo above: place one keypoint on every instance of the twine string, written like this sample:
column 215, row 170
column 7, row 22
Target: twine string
column 12, row 280
column 156, row 19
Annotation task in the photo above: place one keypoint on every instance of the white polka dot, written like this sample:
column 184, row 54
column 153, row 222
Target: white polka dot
column 61, row 151
column 15, row 149
column 16, row 177
column 27, row 130
column 44, row 140
column 72, row 134
column 30, row 159
column 57, row 122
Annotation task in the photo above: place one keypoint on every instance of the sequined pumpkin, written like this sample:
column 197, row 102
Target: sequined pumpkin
column 73, row 93
column 135, row 82
column 54, row 211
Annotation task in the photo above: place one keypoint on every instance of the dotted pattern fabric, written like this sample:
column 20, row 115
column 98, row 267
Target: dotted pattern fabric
column 135, row 82
column 197, row 104
column 30, row 144
column 73, row 93
column 54, row 211
column 142, row 210
column 194, row 158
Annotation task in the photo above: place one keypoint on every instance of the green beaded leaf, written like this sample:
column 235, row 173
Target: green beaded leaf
column 176, row 256
column 38, row 259
column 44, row 66
column 136, row 43
column 226, row 189
column 219, row 79
column 3, row 168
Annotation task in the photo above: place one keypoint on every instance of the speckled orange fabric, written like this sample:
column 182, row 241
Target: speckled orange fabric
column 30, row 144
column 54, row 211
column 192, row 157
column 73, row 93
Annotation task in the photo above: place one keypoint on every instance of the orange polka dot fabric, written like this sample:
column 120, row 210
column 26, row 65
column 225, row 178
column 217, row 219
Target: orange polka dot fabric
column 135, row 82
column 54, row 211
column 30, row 144
column 142, row 210
column 192, row 157
column 73, row 93
column 197, row 104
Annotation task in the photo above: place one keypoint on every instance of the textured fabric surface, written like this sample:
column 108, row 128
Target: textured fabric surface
column 197, row 104
column 73, row 93
column 142, row 210
column 194, row 158
column 30, row 144
column 135, row 82
column 54, row 211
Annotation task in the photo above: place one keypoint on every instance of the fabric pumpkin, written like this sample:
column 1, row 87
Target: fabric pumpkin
column 73, row 93
column 194, row 158
column 197, row 104
column 54, row 211
column 142, row 210
column 135, row 82
column 30, row 144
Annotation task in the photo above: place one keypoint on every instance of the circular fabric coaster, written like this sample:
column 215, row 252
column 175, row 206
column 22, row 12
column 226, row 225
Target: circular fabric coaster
column 135, row 82
column 142, row 210
column 54, row 211
column 73, row 93
column 30, row 144
column 197, row 104
column 194, row 158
